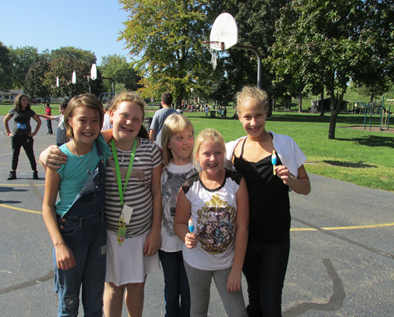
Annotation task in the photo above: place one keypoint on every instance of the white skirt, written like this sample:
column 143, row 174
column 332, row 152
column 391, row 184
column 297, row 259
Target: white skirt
column 126, row 263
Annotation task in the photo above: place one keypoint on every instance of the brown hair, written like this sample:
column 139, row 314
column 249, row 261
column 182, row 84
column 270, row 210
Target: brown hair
column 17, row 102
column 248, row 92
column 87, row 100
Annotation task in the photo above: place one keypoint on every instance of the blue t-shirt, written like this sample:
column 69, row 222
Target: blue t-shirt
column 73, row 174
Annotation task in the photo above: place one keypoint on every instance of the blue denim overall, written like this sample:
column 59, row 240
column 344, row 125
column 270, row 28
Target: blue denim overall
column 84, row 232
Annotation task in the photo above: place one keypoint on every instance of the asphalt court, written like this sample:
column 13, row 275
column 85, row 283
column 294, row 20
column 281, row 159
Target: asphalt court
column 341, row 260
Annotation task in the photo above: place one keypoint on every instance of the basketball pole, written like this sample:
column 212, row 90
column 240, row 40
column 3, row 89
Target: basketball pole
column 252, row 48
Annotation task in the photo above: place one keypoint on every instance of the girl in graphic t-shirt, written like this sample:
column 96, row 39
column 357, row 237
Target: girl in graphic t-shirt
column 177, row 141
column 216, row 200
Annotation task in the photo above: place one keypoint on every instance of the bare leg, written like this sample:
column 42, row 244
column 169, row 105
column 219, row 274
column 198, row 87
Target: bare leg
column 113, row 300
column 135, row 298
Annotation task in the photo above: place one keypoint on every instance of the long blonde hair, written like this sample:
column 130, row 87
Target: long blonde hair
column 174, row 124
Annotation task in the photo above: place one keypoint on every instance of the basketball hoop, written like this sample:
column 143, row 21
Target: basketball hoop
column 214, row 47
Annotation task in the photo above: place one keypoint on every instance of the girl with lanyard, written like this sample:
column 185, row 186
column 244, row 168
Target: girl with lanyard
column 132, row 208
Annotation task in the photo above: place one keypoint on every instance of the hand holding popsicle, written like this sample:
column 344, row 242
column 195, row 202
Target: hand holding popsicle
column 190, row 239
column 273, row 161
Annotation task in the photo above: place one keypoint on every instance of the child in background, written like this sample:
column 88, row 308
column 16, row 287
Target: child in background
column 107, row 122
column 21, row 135
column 61, row 133
column 132, row 208
column 177, row 141
column 76, row 223
column 268, row 186
column 48, row 112
column 216, row 200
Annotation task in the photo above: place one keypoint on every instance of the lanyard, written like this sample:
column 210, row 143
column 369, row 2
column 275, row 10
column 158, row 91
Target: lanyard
column 117, row 168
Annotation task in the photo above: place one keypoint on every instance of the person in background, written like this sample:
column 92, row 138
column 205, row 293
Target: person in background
column 61, row 133
column 21, row 134
column 48, row 112
column 107, row 122
column 159, row 117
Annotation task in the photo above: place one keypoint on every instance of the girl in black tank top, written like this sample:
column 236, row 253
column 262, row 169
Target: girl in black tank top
column 269, row 239
column 269, row 207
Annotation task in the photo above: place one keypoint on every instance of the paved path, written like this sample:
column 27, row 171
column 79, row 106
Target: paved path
column 341, row 261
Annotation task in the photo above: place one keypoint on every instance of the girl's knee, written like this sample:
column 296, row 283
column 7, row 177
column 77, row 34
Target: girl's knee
column 114, row 291
column 135, row 288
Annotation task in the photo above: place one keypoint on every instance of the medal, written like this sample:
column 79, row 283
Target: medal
column 121, row 231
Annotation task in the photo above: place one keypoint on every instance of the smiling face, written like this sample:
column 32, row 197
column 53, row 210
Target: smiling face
column 252, row 116
column 85, row 124
column 126, row 120
column 211, row 156
column 181, row 146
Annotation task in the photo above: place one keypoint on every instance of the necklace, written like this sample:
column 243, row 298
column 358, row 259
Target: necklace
column 90, row 161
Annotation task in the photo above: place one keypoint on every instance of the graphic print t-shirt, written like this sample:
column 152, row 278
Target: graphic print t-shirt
column 172, row 178
column 213, row 212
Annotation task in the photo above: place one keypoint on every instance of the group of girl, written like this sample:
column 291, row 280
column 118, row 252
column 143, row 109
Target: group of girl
column 202, row 223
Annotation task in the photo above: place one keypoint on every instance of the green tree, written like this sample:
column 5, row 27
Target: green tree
column 22, row 59
column 70, row 51
column 63, row 68
column 165, row 38
column 326, row 43
column 5, row 68
column 121, row 72
column 35, row 79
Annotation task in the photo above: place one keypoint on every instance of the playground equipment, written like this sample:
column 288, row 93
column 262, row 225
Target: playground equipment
column 363, row 104
column 224, row 35
column 106, row 96
column 385, row 119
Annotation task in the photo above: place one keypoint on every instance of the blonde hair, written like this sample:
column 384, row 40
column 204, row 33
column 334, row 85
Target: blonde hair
column 174, row 124
column 248, row 92
column 129, row 96
column 87, row 100
column 205, row 136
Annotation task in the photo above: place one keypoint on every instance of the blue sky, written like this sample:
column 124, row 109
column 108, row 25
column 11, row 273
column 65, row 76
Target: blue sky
column 87, row 24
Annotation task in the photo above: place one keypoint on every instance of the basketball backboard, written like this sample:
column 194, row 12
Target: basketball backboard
column 225, row 30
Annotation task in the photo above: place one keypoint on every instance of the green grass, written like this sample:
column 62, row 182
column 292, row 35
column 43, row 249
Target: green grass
column 362, row 157
column 36, row 108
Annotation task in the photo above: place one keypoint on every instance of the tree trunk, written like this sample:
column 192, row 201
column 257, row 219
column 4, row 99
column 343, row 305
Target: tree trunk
column 300, row 104
column 336, row 104
column 322, row 103
column 269, row 114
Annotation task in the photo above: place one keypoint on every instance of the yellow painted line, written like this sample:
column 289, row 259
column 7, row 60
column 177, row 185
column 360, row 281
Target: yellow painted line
column 346, row 227
column 292, row 229
column 21, row 209
column 21, row 185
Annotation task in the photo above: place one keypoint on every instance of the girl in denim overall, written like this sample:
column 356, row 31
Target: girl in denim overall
column 76, row 223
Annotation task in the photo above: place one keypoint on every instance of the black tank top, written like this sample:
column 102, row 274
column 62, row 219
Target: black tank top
column 269, row 203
